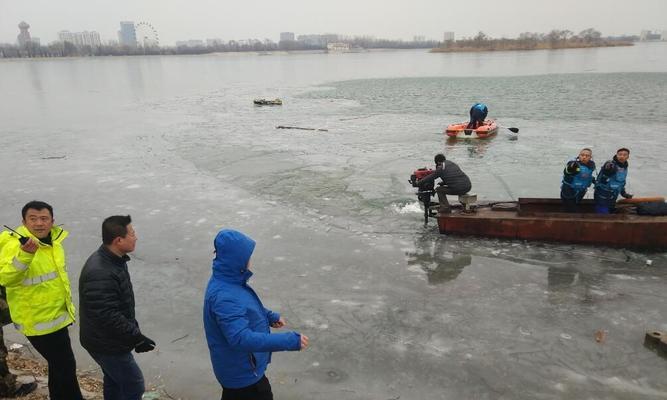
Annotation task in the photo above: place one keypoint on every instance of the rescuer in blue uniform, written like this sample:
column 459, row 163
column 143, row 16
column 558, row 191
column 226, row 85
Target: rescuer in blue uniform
column 577, row 178
column 478, row 114
column 610, row 182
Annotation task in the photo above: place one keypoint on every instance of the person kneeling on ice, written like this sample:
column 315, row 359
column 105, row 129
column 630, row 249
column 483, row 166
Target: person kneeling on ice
column 478, row 114
column 577, row 178
column 454, row 181
column 610, row 182
column 237, row 324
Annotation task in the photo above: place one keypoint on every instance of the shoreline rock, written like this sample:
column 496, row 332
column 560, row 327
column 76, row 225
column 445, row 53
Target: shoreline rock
column 29, row 367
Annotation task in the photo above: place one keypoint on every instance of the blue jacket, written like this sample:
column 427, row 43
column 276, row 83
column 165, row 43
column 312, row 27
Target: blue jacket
column 235, row 321
column 612, row 177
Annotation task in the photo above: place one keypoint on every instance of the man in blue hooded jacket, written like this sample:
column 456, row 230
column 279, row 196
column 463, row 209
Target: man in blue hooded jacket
column 478, row 113
column 237, row 324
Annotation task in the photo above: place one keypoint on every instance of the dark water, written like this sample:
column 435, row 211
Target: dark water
column 392, row 308
column 616, row 97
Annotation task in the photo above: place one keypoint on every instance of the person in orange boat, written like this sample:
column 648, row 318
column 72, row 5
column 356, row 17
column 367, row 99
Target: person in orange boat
column 478, row 114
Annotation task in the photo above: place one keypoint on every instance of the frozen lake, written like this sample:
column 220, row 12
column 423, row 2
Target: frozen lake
column 393, row 309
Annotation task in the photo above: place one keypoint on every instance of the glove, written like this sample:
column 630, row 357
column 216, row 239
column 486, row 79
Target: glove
column 626, row 195
column 144, row 345
column 572, row 167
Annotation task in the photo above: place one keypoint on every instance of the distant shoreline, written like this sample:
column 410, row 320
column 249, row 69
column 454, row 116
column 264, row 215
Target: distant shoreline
column 461, row 49
column 522, row 47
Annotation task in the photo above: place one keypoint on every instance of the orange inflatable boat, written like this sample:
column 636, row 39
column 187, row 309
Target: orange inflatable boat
column 487, row 129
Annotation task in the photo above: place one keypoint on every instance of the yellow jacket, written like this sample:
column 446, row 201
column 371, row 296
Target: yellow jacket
column 38, row 289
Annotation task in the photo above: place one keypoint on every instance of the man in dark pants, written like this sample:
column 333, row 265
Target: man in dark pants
column 237, row 323
column 34, row 272
column 454, row 181
column 109, row 330
column 478, row 114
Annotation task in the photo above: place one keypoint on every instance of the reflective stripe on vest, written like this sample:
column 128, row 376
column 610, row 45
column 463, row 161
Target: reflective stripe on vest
column 39, row 279
column 43, row 326
column 19, row 265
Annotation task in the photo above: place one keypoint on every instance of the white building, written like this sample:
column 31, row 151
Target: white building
column 338, row 47
column 448, row 37
column 80, row 39
column 66, row 36
column 287, row 36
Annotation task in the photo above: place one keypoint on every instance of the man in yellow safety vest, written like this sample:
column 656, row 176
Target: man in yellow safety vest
column 34, row 273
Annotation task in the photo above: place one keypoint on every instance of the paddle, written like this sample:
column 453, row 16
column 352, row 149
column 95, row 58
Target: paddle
column 514, row 130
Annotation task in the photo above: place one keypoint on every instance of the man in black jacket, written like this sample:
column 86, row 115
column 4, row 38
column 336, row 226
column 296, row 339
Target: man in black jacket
column 454, row 181
column 109, row 330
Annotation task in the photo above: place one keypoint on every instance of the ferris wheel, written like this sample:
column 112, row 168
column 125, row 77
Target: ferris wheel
column 146, row 35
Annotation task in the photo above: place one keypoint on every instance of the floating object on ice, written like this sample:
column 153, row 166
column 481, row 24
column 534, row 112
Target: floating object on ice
column 266, row 102
column 303, row 129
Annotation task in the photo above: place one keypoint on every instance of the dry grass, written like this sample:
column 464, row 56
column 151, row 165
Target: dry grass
column 24, row 366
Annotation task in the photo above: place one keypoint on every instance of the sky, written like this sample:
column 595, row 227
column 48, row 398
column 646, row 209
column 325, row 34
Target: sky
column 392, row 19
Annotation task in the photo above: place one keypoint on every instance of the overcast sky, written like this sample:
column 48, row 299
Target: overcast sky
column 392, row 19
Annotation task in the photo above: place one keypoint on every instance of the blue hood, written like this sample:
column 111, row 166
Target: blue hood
column 232, row 253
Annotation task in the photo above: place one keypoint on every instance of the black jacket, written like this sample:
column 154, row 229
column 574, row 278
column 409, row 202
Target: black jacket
column 456, row 180
column 106, row 305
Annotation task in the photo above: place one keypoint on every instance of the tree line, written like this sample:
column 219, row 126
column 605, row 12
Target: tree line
column 555, row 39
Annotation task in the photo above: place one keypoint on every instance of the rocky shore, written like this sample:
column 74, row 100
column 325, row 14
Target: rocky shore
column 29, row 367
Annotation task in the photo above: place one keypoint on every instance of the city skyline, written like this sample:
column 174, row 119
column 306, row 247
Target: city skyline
column 393, row 19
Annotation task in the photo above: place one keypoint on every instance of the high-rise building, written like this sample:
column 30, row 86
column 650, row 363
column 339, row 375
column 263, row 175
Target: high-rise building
column 23, row 38
column 80, row 39
column 287, row 36
column 127, row 35
column 419, row 39
column 448, row 37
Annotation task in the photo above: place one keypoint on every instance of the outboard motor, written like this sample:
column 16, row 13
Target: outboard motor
column 418, row 175
column 425, row 193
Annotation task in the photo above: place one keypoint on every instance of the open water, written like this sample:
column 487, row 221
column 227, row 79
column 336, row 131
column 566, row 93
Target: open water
column 393, row 309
